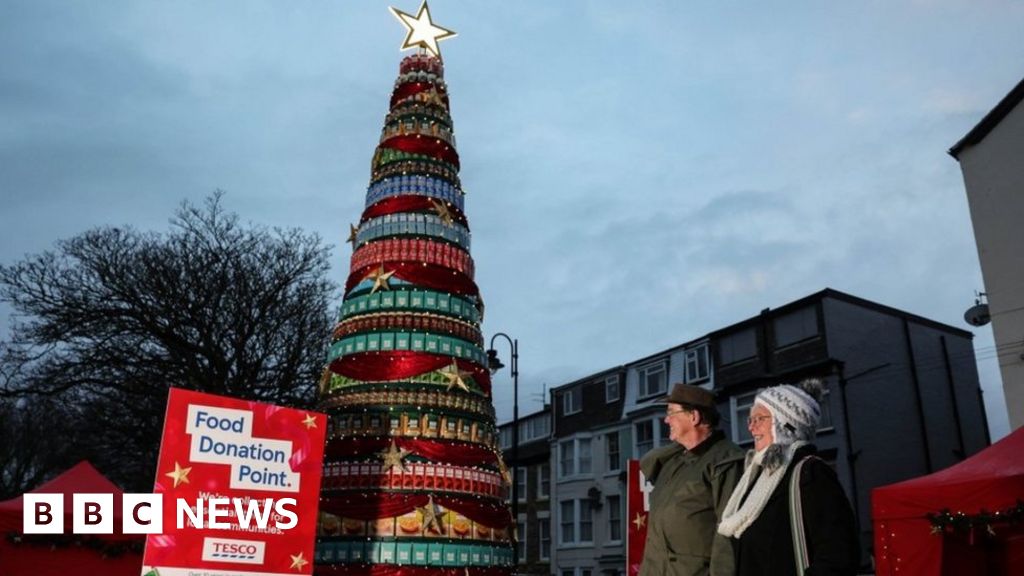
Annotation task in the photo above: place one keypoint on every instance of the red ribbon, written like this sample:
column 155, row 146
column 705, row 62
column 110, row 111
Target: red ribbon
column 431, row 276
column 446, row 452
column 413, row 88
column 374, row 505
column 409, row 203
column 401, row 364
column 425, row 145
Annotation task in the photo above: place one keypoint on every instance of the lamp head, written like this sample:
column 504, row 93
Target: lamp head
column 493, row 362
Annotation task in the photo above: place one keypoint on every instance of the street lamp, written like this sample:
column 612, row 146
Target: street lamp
column 494, row 364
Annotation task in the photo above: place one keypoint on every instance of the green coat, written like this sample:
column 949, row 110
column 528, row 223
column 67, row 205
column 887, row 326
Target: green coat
column 690, row 492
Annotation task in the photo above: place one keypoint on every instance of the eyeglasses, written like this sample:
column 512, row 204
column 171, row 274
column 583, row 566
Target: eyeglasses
column 755, row 420
column 674, row 412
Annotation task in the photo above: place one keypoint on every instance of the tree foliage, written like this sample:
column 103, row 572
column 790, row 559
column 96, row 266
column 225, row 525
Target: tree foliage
column 111, row 318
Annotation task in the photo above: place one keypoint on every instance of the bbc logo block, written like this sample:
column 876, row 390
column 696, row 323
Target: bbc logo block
column 92, row 514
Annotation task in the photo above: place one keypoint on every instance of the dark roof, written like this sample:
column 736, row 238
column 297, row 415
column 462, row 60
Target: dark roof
column 588, row 378
column 827, row 292
column 993, row 118
column 836, row 294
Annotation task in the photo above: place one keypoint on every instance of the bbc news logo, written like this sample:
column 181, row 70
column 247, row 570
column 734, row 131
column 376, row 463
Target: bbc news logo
column 144, row 513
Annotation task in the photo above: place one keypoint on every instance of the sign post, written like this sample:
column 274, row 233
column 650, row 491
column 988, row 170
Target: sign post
column 637, row 505
column 240, row 483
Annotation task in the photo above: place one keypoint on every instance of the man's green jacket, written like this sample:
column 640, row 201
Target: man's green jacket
column 691, row 488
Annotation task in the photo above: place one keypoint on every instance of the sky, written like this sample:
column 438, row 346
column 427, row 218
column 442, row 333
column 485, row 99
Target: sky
column 637, row 174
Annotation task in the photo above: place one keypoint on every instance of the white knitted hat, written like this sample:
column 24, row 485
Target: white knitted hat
column 795, row 410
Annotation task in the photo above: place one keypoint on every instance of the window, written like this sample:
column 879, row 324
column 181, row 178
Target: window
column 544, row 530
column 611, row 388
column 663, row 432
column 572, row 401
column 614, row 519
column 796, row 326
column 613, row 451
column 741, row 406
column 574, row 457
column 506, row 437
column 586, row 520
column 577, row 522
column 521, row 539
column 521, row 483
column 738, row 346
column 535, row 428
column 697, row 364
column 543, row 481
column 644, row 437
column 567, row 519
column 567, row 458
column 653, row 379
column 826, row 410
column 583, row 448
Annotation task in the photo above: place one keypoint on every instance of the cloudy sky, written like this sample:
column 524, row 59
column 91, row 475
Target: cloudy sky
column 638, row 174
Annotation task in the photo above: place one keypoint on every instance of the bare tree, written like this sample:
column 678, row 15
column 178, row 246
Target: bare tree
column 113, row 317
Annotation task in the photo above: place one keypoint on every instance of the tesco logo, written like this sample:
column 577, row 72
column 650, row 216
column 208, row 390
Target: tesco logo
column 225, row 550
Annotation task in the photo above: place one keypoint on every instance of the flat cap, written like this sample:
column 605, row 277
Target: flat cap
column 690, row 395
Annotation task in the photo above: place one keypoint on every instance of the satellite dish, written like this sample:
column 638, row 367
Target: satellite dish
column 977, row 315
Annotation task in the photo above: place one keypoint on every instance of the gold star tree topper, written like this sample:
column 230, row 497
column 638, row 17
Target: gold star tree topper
column 423, row 32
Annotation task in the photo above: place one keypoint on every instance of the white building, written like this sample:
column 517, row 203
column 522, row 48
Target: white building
column 991, row 157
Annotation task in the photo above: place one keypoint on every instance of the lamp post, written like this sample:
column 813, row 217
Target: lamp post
column 494, row 364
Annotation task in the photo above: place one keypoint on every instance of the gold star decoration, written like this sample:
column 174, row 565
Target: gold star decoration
column 298, row 561
column 422, row 31
column 434, row 98
column 325, row 380
column 640, row 520
column 432, row 516
column 380, row 279
column 506, row 475
column 393, row 456
column 455, row 376
column 352, row 231
column 442, row 210
column 309, row 422
column 180, row 475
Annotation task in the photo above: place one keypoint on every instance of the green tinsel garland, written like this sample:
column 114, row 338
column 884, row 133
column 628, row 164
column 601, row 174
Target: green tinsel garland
column 946, row 520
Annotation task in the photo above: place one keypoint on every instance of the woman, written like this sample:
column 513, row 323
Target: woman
column 780, row 527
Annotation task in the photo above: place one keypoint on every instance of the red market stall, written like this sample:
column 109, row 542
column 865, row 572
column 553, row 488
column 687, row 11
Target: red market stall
column 966, row 519
column 58, row 555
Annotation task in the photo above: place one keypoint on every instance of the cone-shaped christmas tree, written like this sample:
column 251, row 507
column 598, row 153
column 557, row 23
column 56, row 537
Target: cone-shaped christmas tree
column 413, row 483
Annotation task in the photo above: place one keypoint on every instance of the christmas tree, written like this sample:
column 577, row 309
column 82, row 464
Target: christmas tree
column 414, row 482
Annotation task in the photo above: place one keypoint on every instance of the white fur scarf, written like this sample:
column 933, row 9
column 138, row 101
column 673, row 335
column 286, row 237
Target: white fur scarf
column 736, row 518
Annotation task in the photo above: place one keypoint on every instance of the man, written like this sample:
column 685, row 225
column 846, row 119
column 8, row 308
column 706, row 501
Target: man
column 693, row 479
